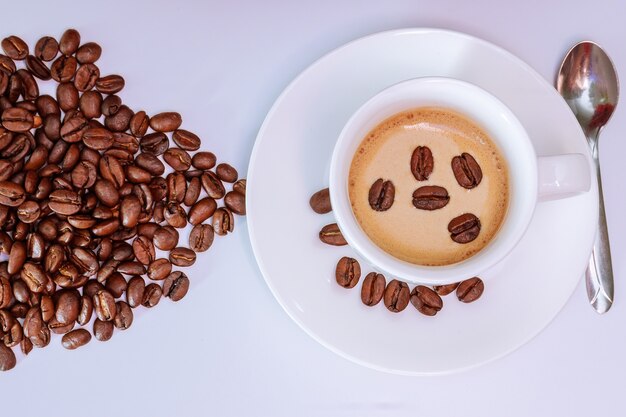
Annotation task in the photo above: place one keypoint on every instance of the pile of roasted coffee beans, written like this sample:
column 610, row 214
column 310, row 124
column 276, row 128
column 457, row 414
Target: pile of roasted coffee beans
column 395, row 294
column 85, row 205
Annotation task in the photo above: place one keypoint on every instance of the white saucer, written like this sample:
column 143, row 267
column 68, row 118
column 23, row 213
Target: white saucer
column 290, row 162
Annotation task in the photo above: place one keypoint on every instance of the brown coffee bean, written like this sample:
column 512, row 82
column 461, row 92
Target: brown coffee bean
column 131, row 268
column 84, row 175
column 98, row 138
column 319, row 202
column 203, row 160
column 90, row 103
column 110, row 84
column 150, row 163
column 135, row 291
column 46, row 105
column 193, row 192
column 470, row 290
column 331, row 235
column 212, row 185
column 112, row 170
column 103, row 330
column 201, row 237
column 63, row 69
column 6, row 291
column 13, row 335
column 166, row 238
column 223, row 221
column 86, row 310
column 396, row 296
column 64, row 202
column 124, row 316
column 466, row 171
column 182, row 256
column 347, row 272
column 106, row 193
column 88, row 53
column 226, row 173
column 37, row 67
column 159, row 269
column 28, row 211
column 137, row 175
column 104, row 305
column 152, row 295
column 202, row 210
column 7, row 65
column 445, row 289
column 30, row 89
column 144, row 249
column 67, row 306
column 235, row 202
column 86, row 77
column 186, row 140
column 176, row 286
column 430, row 197
column 32, row 273
column 154, row 143
column 7, row 358
column 175, row 215
column 373, row 289
column 119, row 121
column 46, row 48
column 166, row 121
column 381, row 195
column 425, row 300
column 176, row 187
column 177, row 158
column 26, row 346
column 422, row 163
column 69, row 42
column 73, row 128
column 35, row 328
column 11, row 194
column 75, row 339
column 110, row 105
column 139, row 124
column 17, row 119
column 464, row 228
column 15, row 48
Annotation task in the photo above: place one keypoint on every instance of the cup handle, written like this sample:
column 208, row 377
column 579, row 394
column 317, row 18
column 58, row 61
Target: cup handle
column 562, row 176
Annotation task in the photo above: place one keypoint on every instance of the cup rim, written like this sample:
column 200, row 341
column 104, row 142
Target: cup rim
column 478, row 263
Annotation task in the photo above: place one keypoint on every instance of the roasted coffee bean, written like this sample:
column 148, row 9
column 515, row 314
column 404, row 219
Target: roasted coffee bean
column 28, row 211
column 381, row 195
column 33, row 275
column 26, row 346
column 176, row 286
column 6, row 291
column 37, row 67
column 425, row 300
column 226, row 173
column 92, row 287
column 98, row 138
column 35, row 328
column 154, row 143
column 84, row 175
column 235, row 202
column 64, row 202
column 5, row 243
column 147, row 229
column 20, row 231
column 150, row 163
column 13, row 335
column 177, row 158
column 373, row 289
column 223, row 221
column 17, row 119
column 55, row 256
column 240, row 187
column 331, row 235
column 166, row 122
column 203, row 160
column 110, row 105
column 347, row 272
column 7, row 358
column 7, row 65
column 37, row 159
column 201, row 237
column 104, row 305
column 71, row 158
column 202, row 210
column 445, row 289
column 464, row 228
column 396, row 296
column 119, row 121
column 73, row 128
column 176, row 187
column 139, row 124
column 319, row 202
column 111, row 169
column 122, row 252
column 193, row 192
column 88, row 53
column 14, row 90
column 35, row 246
column 110, row 84
column 137, row 175
column 130, row 209
column 430, row 197
column 466, row 171
column 212, row 185
column 124, row 316
column 15, row 48
column 46, row 48
column 48, row 310
column 422, row 163
column 144, row 250
column 20, row 291
column 175, row 215
column 166, row 238
column 102, row 330
column 86, row 310
column 19, row 310
column 131, row 268
column 186, row 140
column 69, row 42
column 159, row 269
column 470, row 290
column 67, row 306
column 182, row 256
column 75, row 339
column 90, row 103
column 152, row 295
column 63, row 68
column 135, row 291
column 106, row 193
column 30, row 88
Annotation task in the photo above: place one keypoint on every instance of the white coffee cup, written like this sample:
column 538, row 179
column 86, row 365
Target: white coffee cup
column 532, row 179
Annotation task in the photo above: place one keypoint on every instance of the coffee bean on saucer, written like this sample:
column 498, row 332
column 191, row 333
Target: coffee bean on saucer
column 331, row 235
column 373, row 288
column 348, row 272
column 396, row 296
column 470, row 290
column 445, row 289
column 381, row 195
column 320, row 201
column 430, row 197
column 464, row 228
column 425, row 300
column 466, row 170
column 422, row 163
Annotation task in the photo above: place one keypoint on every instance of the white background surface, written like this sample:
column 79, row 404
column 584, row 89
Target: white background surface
column 228, row 348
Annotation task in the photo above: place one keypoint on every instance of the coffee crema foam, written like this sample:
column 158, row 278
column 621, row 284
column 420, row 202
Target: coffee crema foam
column 421, row 236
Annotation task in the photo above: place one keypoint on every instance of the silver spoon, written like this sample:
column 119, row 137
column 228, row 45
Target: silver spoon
column 587, row 80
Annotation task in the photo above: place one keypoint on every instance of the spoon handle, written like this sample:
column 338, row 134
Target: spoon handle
column 599, row 274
